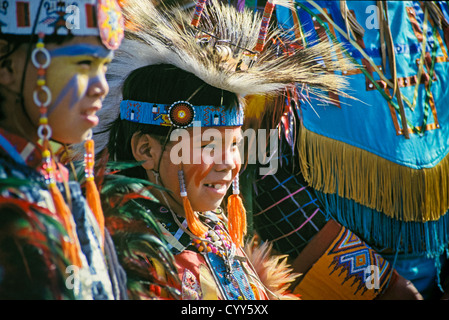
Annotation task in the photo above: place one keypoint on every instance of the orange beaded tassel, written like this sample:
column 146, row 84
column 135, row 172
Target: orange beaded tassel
column 193, row 222
column 92, row 194
column 236, row 215
column 70, row 244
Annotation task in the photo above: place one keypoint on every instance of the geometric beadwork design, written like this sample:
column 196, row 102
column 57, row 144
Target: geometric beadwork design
column 354, row 257
column 181, row 114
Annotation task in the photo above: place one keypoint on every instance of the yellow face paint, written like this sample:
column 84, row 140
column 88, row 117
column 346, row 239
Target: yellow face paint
column 73, row 69
column 76, row 78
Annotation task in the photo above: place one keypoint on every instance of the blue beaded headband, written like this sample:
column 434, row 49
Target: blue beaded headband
column 180, row 114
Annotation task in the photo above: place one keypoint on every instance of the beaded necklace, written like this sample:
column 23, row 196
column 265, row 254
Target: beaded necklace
column 220, row 255
column 217, row 241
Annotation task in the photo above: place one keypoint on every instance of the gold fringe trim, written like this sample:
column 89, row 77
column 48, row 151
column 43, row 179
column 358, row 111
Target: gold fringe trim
column 397, row 191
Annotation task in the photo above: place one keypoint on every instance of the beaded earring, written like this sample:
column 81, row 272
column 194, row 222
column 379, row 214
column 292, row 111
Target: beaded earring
column 70, row 244
column 236, row 210
column 193, row 222
column 92, row 194
column 236, row 214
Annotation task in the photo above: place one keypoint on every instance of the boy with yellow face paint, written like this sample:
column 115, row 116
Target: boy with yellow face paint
column 53, row 59
column 195, row 76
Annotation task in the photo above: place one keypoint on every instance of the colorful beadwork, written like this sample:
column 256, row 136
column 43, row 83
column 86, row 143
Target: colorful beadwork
column 44, row 130
column 56, row 17
column 220, row 251
column 181, row 114
column 110, row 23
column 268, row 11
column 217, row 242
column 235, row 285
column 198, row 11
column 89, row 160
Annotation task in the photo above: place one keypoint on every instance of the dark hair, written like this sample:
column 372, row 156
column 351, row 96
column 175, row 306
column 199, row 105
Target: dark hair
column 14, row 43
column 164, row 84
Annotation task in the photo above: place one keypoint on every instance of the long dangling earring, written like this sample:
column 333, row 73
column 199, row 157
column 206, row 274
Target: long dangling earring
column 70, row 244
column 92, row 194
column 236, row 214
column 193, row 222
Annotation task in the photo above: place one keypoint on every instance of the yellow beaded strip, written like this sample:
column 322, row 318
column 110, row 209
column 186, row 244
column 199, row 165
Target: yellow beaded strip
column 44, row 130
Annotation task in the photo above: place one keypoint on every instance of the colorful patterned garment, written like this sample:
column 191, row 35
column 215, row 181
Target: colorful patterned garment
column 285, row 210
column 208, row 274
column 63, row 18
column 139, row 242
column 164, row 262
column 380, row 165
column 338, row 265
column 32, row 263
column 287, row 213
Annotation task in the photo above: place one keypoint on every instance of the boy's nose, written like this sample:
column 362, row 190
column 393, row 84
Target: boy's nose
column 98, row 86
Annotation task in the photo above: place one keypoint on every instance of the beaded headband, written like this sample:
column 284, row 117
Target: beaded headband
column 101, row 18
column 180, row 114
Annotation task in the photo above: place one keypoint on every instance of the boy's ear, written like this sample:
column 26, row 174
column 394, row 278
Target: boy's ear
column 146, row 149
column 6, row 70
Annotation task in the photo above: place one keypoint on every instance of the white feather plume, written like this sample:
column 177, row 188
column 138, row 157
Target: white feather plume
column 157, row 35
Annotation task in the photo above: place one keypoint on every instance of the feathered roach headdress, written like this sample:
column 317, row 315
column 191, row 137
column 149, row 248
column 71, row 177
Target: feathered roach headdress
column 223, row 47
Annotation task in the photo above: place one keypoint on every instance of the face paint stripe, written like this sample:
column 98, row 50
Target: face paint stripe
column 72, row 87
column 93, row 81
column 197, row 177
column 82, row 49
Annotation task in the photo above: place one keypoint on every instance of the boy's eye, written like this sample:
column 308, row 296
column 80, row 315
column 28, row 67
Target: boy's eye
column 84, row 63
column 87, row 65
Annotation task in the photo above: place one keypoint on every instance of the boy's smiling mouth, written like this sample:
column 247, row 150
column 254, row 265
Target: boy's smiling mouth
column 215, row 186
column 218, row 187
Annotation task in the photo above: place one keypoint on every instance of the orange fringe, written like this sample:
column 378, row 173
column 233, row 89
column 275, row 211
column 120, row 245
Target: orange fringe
column 194, row 224
column 237, row 219
column 93, row 200
column 70, row 247
column 92, row 194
